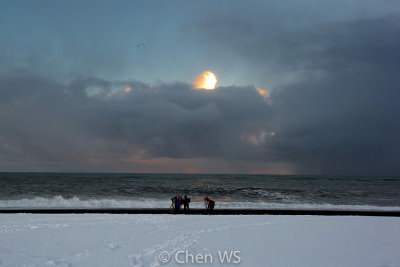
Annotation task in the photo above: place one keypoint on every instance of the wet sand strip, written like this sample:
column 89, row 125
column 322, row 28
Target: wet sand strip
column 383, row 213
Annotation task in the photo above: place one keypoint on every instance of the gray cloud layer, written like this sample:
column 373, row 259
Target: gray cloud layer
column 340, row 115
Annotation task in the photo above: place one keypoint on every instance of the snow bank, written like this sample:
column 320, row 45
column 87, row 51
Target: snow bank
column 139, row 240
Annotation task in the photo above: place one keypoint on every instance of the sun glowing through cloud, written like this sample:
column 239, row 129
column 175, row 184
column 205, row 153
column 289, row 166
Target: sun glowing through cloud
column 263, row 93
column 207, row 81
column 127, row 89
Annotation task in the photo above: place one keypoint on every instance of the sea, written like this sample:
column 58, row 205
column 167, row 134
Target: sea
column 123, row 190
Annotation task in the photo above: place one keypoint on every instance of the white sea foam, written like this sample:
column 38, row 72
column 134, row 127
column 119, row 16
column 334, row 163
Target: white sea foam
column 76, row 202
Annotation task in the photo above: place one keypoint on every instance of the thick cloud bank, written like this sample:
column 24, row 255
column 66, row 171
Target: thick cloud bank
column 94, row 120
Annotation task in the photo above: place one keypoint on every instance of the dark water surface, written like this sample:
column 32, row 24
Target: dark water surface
column 75, row 189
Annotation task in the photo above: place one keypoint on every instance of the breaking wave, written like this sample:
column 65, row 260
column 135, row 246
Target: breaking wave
column 77, row 203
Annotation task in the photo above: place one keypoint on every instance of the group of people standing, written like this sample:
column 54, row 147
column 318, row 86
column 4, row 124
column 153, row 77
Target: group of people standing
column 179, row 201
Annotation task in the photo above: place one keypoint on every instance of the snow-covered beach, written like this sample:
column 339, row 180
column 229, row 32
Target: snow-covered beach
column 199, row 133
column 181, row 240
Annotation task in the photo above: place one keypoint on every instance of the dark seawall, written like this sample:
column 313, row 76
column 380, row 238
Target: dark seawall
column 205, row 212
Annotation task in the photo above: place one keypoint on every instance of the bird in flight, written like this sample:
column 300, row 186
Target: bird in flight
column 139, row 45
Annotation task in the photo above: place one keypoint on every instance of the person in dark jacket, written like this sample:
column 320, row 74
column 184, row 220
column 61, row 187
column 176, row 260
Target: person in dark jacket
column 186, row 202
column 176, row 204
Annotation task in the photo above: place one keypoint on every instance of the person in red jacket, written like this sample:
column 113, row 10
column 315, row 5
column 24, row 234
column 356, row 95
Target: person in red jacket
column 180, row 201
column 209, row 203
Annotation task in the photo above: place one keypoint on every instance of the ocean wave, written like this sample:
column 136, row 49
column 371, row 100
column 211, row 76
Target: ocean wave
column 76, row 202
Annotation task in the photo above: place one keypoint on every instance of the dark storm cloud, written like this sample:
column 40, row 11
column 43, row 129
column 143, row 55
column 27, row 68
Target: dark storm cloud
column 45, row 121
column 344, row 121
column 341, row 113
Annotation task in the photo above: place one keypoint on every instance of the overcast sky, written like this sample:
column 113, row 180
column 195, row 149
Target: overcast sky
column 328, row 73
